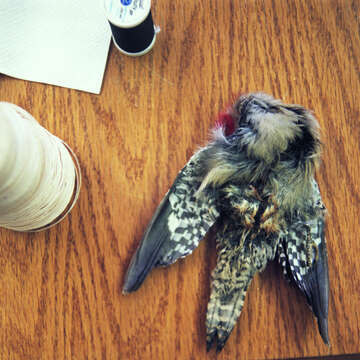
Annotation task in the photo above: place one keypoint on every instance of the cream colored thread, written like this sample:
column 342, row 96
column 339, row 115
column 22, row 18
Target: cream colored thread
column 39, row 173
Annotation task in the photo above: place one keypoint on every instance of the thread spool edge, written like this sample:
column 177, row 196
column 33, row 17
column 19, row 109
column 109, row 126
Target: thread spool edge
column 140, row 53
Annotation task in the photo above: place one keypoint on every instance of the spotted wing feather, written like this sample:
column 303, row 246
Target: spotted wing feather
column 303, row 255
column 180, row 222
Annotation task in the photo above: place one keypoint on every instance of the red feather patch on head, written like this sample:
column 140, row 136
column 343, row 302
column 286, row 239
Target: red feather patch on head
column 227, row 122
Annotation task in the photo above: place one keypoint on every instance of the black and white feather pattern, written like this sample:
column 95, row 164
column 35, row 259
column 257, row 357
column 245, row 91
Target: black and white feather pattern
column 179, row 223
column 191, row 214
column 297, row 250
column 303, row 256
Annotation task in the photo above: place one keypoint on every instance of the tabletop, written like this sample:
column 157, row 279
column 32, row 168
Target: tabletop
column 61, row 289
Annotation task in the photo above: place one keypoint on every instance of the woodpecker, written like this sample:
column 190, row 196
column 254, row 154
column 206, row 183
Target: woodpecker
column 254, row 183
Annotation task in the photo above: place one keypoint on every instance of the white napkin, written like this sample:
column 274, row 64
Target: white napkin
column 59, row 42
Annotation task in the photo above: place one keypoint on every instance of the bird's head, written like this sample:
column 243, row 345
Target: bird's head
column 270, row 130
column 271, row 135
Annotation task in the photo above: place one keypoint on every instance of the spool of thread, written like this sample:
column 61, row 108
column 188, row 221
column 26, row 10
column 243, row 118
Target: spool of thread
column 132, row 26
column 40, row 176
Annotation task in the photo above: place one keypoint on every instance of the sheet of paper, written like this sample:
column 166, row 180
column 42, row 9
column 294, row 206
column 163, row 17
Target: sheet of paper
column 59, row 42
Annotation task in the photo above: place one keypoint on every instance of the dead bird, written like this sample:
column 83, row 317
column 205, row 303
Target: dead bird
column 255, row 182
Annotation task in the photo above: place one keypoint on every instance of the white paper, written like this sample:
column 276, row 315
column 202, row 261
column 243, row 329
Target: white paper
column 58, row 42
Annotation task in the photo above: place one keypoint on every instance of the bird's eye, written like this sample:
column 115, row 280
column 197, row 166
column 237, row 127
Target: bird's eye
column 260, row 105
column 266, row 107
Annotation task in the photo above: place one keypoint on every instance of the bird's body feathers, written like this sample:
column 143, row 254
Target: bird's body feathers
column 256, row 186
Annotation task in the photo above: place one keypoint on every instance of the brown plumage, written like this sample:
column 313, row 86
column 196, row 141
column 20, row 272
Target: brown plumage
column 257, row 186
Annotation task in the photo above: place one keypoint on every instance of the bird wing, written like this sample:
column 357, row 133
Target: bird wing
column 303, row 255
column 181, row 220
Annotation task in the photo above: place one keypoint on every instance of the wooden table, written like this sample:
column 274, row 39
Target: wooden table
column 60, row 290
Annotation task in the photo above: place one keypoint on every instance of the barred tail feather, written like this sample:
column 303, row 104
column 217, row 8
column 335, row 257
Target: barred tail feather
column 225, row 305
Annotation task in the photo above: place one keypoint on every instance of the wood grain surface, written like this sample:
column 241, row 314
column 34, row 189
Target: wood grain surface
column 60, row 290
